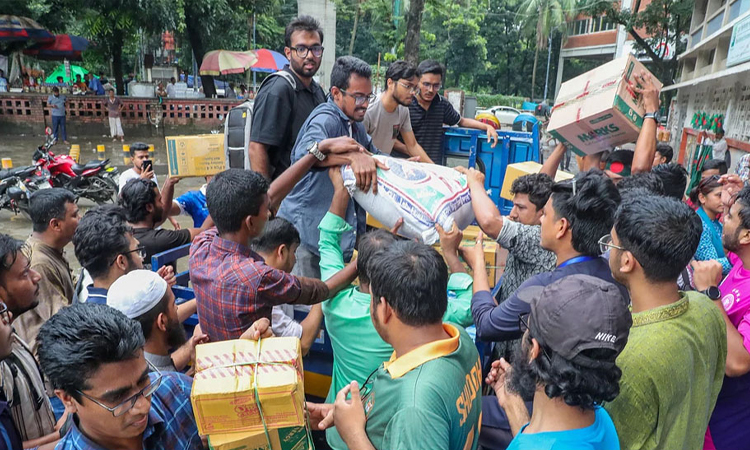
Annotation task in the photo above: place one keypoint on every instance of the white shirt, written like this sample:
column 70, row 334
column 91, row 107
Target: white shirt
column 720, row 148
column 170, row 90
column 283, row 323
column 131, row 174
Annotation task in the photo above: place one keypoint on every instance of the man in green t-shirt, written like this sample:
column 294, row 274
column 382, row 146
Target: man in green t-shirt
column 428, row 394
column 673, row 363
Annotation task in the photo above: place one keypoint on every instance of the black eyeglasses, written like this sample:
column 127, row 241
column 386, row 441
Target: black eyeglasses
column 523, row 325
column 140, row 251
column 4, row 313
column 366, row 389
column 303, row 50
column 128, row 404
column 359, row 99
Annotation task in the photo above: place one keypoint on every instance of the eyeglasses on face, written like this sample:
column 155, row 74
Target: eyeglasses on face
column 128, row 404
column 359, row 99
column 605, row 243
column 431, row 87
column 523, row 325
column 303, row 50
column 410, row 88
column 4, row 313
column 140, row 251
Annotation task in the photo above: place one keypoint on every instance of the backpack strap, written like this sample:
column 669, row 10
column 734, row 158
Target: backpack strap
column 283, row 74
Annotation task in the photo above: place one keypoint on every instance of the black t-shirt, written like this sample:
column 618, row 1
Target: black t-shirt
column 428, row 125
column 157, row 241
column 278, row 114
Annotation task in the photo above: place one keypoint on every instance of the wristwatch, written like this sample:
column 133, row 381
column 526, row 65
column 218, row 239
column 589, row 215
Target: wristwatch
column 653, row 115
column 313, row 149
column 712, row 292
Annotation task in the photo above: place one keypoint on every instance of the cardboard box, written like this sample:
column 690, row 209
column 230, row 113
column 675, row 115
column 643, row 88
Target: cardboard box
column 224, row 386
column 517, row 170
column 196, row 156
column 291, row 438
column 597, row 110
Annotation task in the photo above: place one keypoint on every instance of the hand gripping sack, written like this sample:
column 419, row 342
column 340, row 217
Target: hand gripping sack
column 423, row 194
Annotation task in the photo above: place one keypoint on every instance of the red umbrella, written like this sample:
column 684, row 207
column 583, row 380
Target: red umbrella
column 17, row 28
column 64, row 46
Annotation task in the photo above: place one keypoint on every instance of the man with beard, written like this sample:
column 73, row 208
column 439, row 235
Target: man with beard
column 145, row 297
column 673, row 364
column 22, row 383
column 337, row 120
column 286, row 99
column 105, row 246
column 388, row 115
column 144, row 211
column 729, row 427
column 567, row 366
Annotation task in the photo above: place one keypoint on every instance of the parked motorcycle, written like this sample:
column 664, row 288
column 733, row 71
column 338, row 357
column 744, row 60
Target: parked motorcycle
column 96, row 180
column 15, row 188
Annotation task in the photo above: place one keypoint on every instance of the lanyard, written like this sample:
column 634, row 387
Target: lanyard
column 576, row 260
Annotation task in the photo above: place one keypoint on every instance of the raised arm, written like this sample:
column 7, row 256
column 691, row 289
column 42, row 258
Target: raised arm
column 645, row 146
column 553, row 162
column 488, row 216
column 413, row 148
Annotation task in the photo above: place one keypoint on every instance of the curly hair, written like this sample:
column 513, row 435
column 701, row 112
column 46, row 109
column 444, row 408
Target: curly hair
column 538, row 186
column 135, row 195
column 577, row 385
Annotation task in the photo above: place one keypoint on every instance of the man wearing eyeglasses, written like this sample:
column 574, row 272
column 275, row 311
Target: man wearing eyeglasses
column 286, row 98
column 429, row 111
column 93, row 356
column 388, row 115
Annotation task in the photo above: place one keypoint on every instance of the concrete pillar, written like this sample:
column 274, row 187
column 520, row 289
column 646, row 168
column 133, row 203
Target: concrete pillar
column 325, row 12
column 560, row 67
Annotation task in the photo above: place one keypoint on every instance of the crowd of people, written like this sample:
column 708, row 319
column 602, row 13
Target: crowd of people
column 620, row 320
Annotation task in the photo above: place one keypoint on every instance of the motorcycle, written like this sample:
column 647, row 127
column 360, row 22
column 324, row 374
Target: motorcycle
column 96, row 180
column 16, row 185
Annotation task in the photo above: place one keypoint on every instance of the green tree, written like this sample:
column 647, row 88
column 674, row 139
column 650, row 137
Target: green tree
column 660, row 24
column 413, row 31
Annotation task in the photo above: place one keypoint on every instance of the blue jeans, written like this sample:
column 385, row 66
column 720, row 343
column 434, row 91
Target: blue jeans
column 59, row 122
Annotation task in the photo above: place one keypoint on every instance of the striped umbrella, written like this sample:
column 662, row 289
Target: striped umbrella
column 17, row 28
column 64, row 46
column 222, row 62
column 269, row 61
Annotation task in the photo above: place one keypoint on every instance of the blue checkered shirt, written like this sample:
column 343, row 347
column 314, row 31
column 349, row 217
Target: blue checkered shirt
column 171, row 423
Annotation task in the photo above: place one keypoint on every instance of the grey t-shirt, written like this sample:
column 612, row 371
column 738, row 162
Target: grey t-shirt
column 163, row 363
column 59, row 105
column 383, row 126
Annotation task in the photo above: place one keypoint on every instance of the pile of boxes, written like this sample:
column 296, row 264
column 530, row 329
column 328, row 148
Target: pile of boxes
column 250, row 395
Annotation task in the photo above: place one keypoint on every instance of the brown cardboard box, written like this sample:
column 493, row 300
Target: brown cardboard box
column 224, row 386
column 291, row 438
column 517, row 170
column 597, row 110
column 196, row 156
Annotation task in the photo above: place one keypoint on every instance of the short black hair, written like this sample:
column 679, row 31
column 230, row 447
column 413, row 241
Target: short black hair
column 720, row 131
column 101, row 236
column 538, row 186
column 369, row 245
column 714, row 164
column 400, row 70
column 343, row 69
column 743, row 197
column 662, row 233
column 10, row 247
column 79, row 339
column 413, row 279
column 644, row 180
column 576, row 385
column 302, row 23
column 55, row 89
column 431, row 66
column 590, row 211
column 277, row 232
column 674, row 178
column 704, row 187
column 147, row 319
column 48, row 204
column 138, row 147
column 666, row 151
column 233, row 195
column 135, row 195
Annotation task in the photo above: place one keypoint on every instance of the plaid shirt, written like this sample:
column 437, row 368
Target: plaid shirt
column 234, row 287
column 171, row 424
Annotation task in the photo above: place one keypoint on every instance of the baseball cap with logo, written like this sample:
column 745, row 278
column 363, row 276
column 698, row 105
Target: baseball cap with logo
column 579, row 313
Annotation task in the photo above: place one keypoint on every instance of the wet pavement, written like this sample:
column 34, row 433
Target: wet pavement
column 21, row 148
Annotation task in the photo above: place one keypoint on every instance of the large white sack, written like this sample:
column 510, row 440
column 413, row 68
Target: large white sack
column 422, row 194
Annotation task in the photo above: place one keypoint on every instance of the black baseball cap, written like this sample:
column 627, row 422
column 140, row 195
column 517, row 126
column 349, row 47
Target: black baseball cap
column 578, row 313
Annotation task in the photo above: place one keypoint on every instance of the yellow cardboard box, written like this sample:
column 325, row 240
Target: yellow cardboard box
column 517, row 170
column 196, row 156
column 290, row 438
column 598, row 110
column 224, row 386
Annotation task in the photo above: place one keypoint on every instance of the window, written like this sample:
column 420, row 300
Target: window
column 711, row 56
